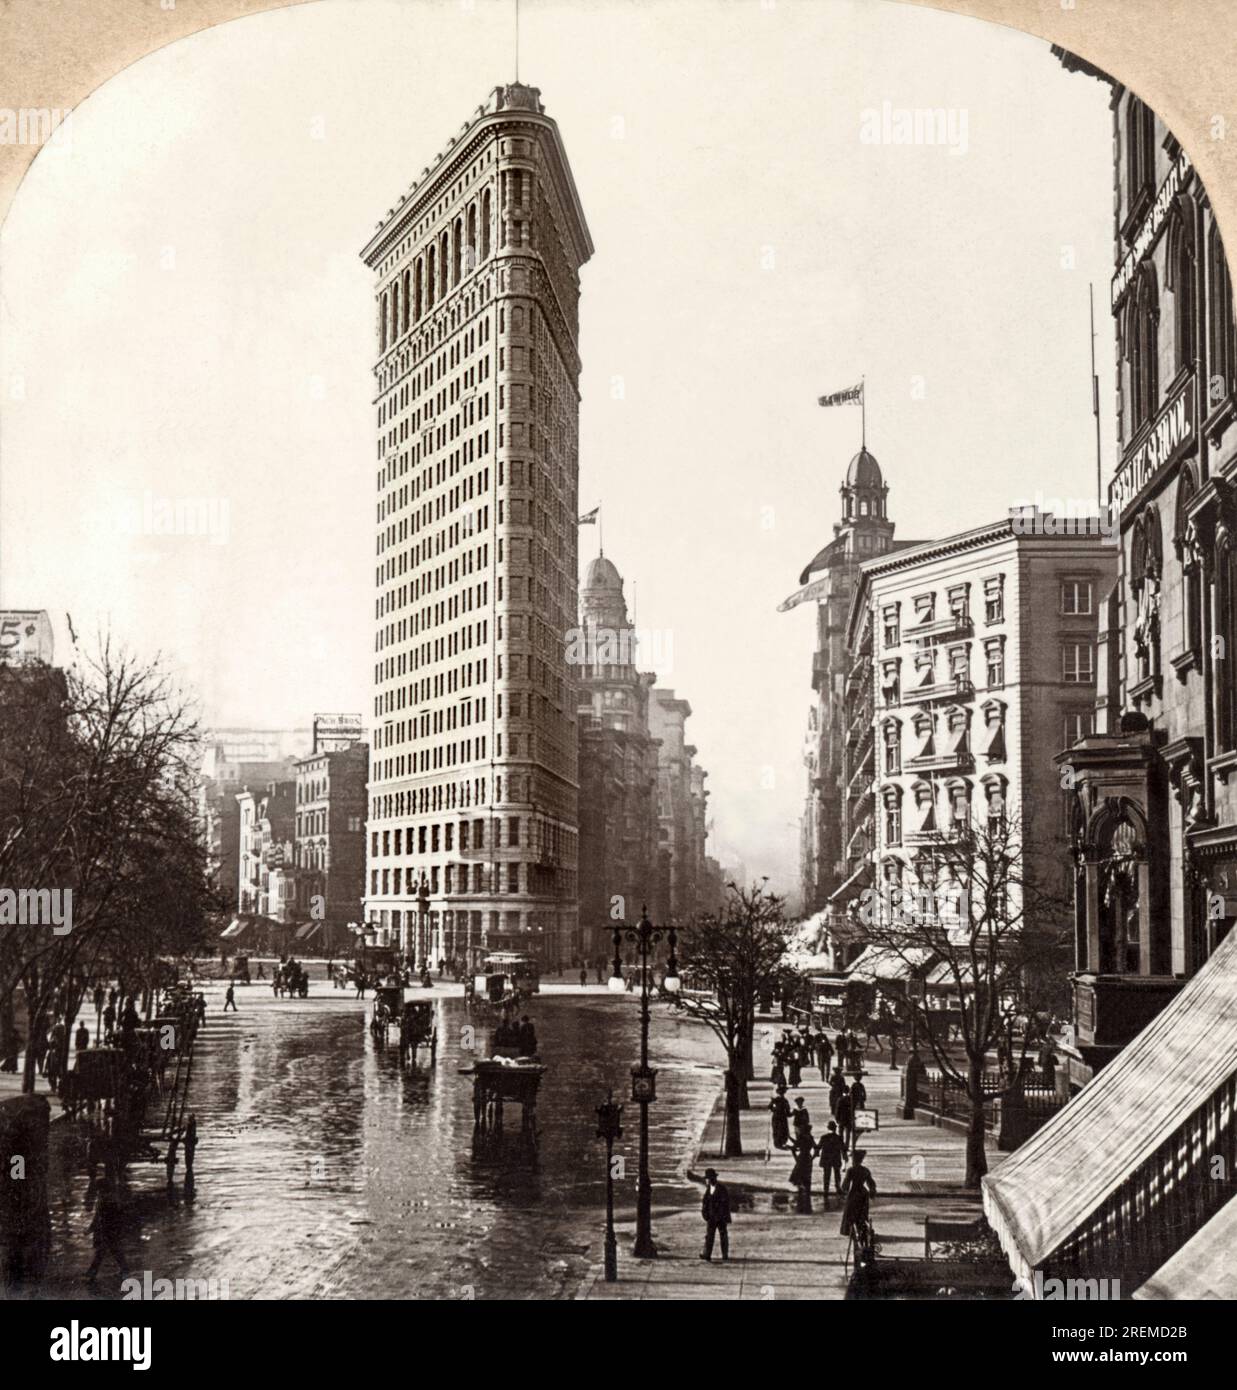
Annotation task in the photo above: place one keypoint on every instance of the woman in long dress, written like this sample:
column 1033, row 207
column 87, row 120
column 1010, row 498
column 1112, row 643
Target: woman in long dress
column 858, row 1187
column 780, row 1108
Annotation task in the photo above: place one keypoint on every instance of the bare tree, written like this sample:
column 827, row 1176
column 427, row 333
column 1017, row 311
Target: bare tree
column 731, row 959
column 993, row 932
column 96, row 769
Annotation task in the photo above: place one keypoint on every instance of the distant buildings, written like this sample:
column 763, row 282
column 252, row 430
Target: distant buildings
column 473, row 779
column 685, row 884
column 329, row 847
column 266, row 830
column 618, row 766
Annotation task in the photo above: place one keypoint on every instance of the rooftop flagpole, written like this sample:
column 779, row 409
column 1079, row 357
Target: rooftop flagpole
column 863, row 412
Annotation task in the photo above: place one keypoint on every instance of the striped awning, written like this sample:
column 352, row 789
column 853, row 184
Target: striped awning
column 233, row 929
column 1204, row 1266
column 1047, row 1190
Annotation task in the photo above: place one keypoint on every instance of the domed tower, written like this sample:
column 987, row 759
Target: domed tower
column 601, row 596
column 864, row 505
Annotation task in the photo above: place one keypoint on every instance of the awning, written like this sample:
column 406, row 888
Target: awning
column 1203, row 1267
column 883, row 963
column 1045, row 1191
column 307, row 930
column 233, row 929
column 853, row 886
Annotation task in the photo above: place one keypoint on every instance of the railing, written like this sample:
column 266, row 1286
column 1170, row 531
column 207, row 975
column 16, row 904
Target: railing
column 952, row 626
column 956, row 688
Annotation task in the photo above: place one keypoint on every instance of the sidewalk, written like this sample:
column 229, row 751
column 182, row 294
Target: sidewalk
column 778, row 1251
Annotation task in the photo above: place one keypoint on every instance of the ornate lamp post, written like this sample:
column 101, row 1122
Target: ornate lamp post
column 610, row 1128
column 644, row 1077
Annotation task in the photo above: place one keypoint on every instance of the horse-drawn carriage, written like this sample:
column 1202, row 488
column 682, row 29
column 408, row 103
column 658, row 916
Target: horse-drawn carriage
column 414, row 1019
column 507, row 978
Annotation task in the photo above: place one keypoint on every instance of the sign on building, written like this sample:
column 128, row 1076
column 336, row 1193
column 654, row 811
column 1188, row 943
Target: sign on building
column 25, row 637
column 334, row 732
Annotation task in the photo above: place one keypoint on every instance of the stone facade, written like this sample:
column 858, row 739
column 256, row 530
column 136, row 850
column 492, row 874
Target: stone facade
column 330, row 841
column 681, row 890
column 1154, row 816
column 473, row 778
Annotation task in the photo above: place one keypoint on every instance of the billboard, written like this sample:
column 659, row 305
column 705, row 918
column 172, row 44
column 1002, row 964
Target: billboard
column 25, row 637
column 334, row 732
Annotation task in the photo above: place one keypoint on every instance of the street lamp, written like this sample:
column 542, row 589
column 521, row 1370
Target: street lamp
column 423, row 911
column 643, row 1077
column 610, row 1128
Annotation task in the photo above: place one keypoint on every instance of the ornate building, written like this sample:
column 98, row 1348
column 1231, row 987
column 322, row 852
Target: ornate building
column 982, row 651
column 1155, row 788
column 473, row 776
column 618, row 765
column 330, row 843
column 863, row 531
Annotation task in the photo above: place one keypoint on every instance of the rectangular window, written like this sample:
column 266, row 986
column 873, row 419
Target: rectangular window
column 1079, row 723
column 994, row 599
column 513, row 830
column 1076, row 597
column 960, row 602
column 925, row 607
column 1077, row 663
column 893, row 825
column 891, row 626
column 513, row 878
column 994, row 660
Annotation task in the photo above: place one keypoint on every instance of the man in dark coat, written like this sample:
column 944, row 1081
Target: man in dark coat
column 845, row 1115
column 715, row 1208
column 831, row 1151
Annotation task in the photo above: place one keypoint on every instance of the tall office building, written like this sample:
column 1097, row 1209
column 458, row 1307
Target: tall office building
column 473, row 781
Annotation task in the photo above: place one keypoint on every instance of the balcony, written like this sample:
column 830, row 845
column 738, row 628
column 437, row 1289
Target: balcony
column 941, row 762
column 956, row 688
column 1109, row 1010
column 955, row 626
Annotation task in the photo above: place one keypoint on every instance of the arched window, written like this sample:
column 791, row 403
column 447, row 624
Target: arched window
column 457, row 239
column 1139, row 151
column 1142, row 346
column 892, row 798
column 444, row 264
column 1182, row 281
column 1192, row 570
column 486, row 217
column 1221, row 351
column 407, row 302
column 925, row 805
column 959, row 792
column 994, row 795
column 431, row 278
column 925, row 743
column 470, row 260
column 395, row 310
column 382, row 322
column 419, row 291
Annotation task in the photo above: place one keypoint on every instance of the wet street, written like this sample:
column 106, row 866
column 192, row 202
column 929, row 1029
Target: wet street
column 324, row 1170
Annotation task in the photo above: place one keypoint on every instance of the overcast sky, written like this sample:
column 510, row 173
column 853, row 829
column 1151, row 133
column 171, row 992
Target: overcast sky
column 185, row 316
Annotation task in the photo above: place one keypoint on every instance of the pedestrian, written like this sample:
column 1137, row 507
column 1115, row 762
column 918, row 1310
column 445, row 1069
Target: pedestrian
column 169, row 1162
column 583, row 977
column 803, row 1149
column 858, row 1187
column 780, row 1121
column 201, row 1009
column 845, row 1115
column 109, row 1023
column 794, row 1074
column 262, row 970
column 836, row 1086
column 191, row 1147
column 106, row 1228
column 81, row 1039
column 800, row 1118
column 858, row 1094
column 229, row 1000
column 715, row 1209
column 831, row 1151
column 824, row 1054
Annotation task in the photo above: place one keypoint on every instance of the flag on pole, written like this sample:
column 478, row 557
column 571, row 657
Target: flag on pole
column 589, row 518
column 853, row 395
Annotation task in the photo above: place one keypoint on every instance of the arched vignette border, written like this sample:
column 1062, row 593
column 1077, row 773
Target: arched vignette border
column 1178, row 55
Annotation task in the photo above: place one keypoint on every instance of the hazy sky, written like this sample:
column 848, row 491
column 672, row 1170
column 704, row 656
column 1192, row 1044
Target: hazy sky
column 185, row 318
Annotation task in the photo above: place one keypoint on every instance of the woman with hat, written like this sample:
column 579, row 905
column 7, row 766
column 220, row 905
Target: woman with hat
column 780, row 1108
column 858, row 1187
